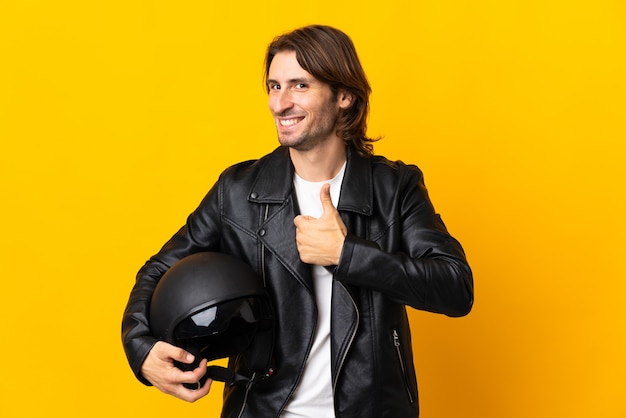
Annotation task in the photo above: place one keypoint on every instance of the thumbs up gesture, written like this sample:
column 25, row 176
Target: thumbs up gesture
column 320, row 240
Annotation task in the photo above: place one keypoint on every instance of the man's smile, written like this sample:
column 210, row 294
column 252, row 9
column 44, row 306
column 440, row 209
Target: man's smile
column 290, row 121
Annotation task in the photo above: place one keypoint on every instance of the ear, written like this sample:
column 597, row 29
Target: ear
column 344, row 99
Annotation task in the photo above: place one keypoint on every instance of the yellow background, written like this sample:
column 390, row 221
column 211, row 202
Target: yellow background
column 117, row 116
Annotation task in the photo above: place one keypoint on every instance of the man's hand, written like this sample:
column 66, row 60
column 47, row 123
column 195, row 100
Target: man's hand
column 320, row 240
column 159, row 369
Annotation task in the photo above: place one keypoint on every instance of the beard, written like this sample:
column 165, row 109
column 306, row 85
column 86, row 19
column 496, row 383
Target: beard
column 313, row 133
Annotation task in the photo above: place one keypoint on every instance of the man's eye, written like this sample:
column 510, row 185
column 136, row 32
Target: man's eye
column 274, row 86
column 300, row 86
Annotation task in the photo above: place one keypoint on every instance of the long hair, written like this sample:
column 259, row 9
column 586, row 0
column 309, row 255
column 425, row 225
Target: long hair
column 329, row 55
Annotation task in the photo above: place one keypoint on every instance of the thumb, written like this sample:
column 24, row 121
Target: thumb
column 181, row 355
column 167, row 352
column 327, row 202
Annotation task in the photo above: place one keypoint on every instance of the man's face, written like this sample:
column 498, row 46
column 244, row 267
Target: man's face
column 305, row 110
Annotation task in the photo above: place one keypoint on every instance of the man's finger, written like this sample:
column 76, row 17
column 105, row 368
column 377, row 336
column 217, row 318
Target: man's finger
column 327, row 201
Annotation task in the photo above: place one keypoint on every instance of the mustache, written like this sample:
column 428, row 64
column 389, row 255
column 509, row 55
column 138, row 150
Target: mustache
column 287, row 114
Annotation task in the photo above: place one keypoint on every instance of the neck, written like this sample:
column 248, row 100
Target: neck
column 321, row 163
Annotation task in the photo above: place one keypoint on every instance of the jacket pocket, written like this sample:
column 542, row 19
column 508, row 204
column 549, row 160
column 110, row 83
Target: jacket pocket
column 403, row 368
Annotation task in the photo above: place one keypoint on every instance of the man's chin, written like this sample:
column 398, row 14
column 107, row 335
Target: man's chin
column 289, row 142
column 299, row 143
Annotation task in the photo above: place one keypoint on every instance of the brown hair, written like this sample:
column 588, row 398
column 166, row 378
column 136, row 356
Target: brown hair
column 329, row 55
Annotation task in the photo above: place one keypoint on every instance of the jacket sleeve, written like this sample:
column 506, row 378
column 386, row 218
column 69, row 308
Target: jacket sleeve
column 415, row 261
column 200, row 233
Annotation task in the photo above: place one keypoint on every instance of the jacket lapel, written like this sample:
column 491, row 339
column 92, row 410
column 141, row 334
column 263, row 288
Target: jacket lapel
column 356, row 189
column 274, row 188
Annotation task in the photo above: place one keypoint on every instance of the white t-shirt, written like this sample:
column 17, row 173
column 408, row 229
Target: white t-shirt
column 314, row 395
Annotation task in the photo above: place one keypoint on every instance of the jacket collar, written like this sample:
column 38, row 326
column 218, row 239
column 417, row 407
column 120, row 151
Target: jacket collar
column 274, row 184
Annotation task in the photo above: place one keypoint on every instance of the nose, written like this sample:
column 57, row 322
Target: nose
column 279, row 102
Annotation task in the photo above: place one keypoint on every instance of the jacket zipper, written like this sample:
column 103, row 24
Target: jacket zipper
column 245, row 398
column 267, row 208
column 345, row 352
column 396, row 342
column 252, row 379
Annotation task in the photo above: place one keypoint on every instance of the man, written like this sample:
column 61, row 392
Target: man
column 343, row 240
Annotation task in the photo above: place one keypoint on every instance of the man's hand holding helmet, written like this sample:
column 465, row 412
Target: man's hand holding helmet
column 159, row 369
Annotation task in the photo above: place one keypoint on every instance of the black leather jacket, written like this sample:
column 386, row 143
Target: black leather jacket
column 397, row 252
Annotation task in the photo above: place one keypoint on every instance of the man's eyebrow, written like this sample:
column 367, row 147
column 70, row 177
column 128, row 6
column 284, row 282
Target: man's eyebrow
column 292, row 80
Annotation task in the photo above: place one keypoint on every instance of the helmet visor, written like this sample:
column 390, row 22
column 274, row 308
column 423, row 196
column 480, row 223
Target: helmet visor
column 224, row 329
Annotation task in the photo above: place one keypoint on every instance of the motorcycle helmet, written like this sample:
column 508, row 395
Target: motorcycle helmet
column 214, row 306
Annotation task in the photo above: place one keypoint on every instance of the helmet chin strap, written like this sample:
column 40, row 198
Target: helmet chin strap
column 217, row 373
column 226, row 375
column 258, row 358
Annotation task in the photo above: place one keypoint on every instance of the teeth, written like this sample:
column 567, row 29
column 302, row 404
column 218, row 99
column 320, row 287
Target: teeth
column 288, row 122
